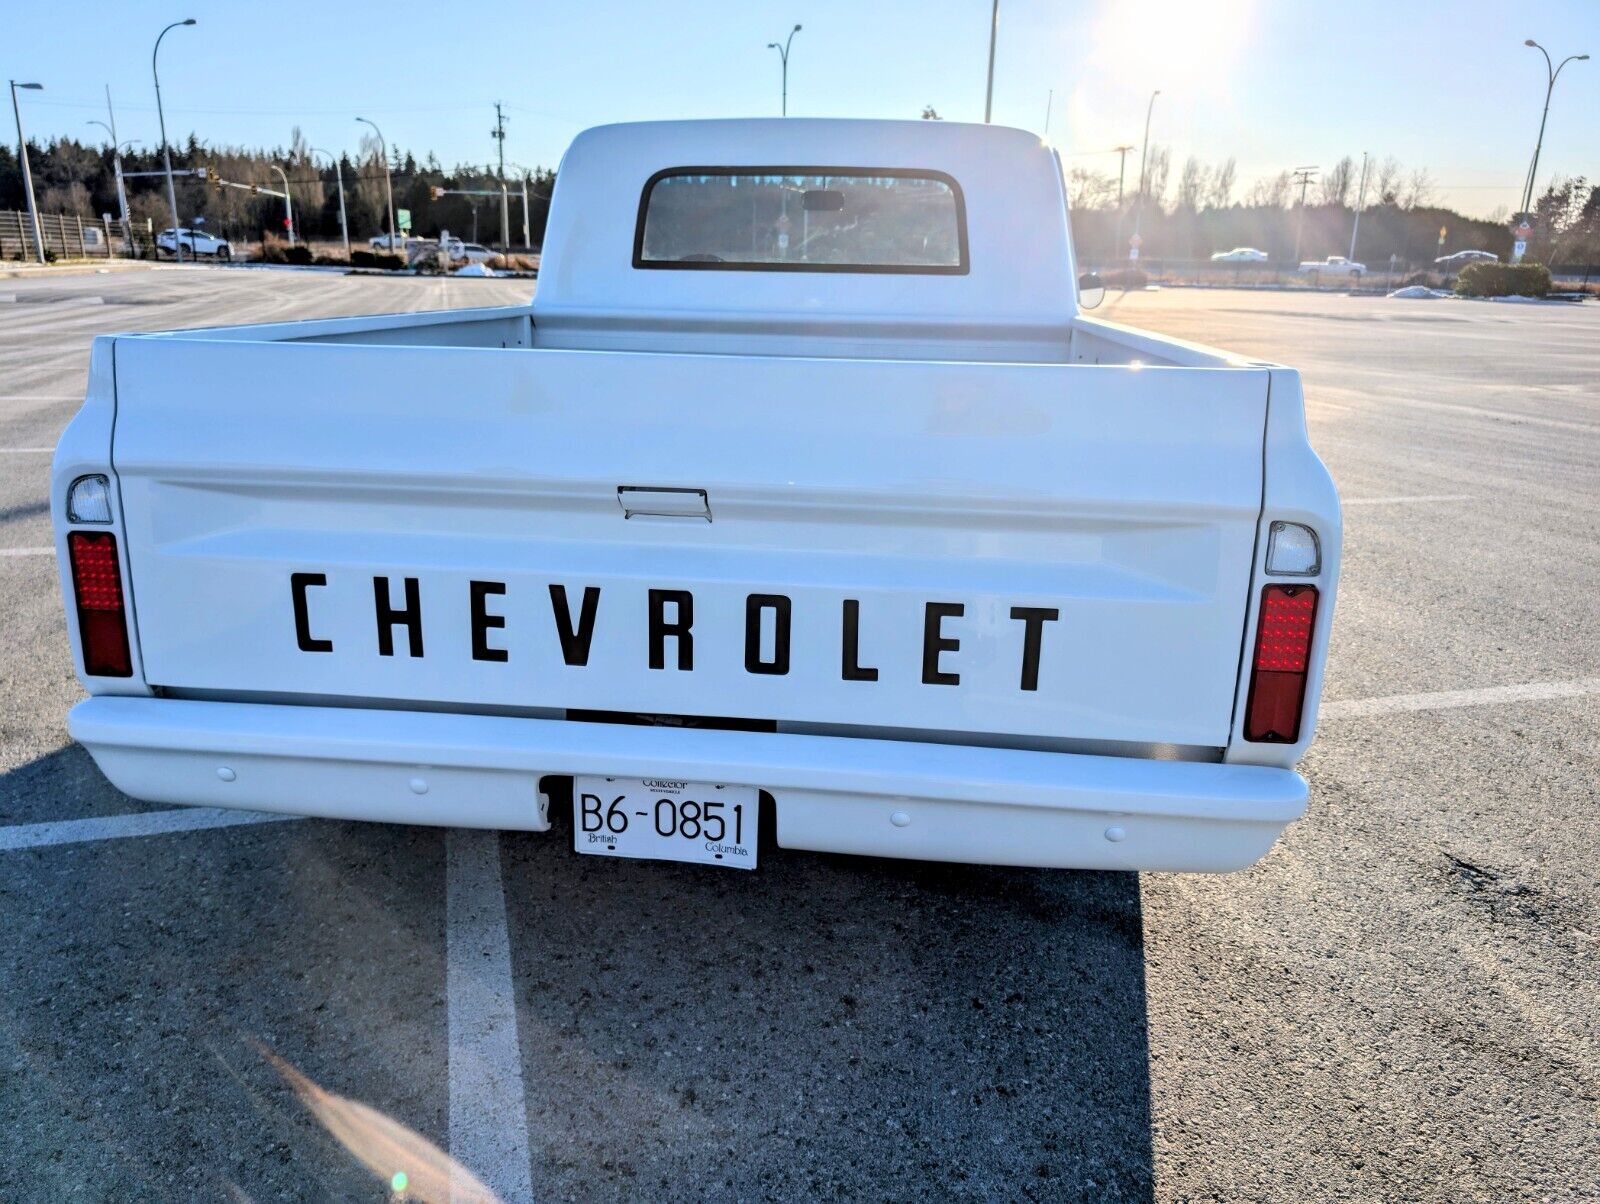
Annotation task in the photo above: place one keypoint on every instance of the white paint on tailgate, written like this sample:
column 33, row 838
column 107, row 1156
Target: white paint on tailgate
column 1124, row 504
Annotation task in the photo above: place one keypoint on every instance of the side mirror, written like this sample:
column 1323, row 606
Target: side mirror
column 1091, row 290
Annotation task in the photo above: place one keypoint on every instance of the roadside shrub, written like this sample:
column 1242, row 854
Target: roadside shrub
column 331, row 261
column 1503, row 280
column 511, row 263
column 1125, row 278
column 388, row 260
column 275, row 250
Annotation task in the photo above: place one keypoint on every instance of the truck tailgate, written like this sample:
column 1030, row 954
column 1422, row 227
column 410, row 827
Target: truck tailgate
column 1003, row 552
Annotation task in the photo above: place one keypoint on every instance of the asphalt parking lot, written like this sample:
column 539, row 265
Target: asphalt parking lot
column 1402, row 1001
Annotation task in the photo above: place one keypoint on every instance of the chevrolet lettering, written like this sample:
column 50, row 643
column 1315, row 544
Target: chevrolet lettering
column 805, row 506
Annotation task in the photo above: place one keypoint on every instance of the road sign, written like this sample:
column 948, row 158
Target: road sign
column 402, row 218
column 1136, row 242
column 1518, row 250
column 1523, row 231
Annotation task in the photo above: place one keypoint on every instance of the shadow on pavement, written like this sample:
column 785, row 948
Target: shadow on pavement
column 829, row 1027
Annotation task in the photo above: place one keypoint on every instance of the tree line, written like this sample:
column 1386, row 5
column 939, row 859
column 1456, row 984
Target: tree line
column 75, row 178
column 1200, row 210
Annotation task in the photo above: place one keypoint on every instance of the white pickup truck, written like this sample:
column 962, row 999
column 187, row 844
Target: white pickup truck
column 802, row 508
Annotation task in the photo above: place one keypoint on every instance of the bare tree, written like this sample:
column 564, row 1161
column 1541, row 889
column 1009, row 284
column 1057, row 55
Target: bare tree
column 1419, row 189
column 929, row 113
column 369, row 188
column 1335, row 187
column 1089, row 189
column 1270, row 191
column 1191, row 184
column 1388, row 178
column 1222, row 180
column 305, row 185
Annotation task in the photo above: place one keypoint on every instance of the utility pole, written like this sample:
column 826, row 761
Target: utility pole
column 1303, row 177
column 499, row 135
column 994, row 32
column 1361, row 198
column 116, row 163
column 1122, row 172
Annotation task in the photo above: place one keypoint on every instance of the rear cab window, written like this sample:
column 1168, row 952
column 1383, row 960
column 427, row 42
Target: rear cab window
column 802, row 219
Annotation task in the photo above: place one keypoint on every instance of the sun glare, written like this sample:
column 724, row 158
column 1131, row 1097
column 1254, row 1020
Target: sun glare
column 1188, row 44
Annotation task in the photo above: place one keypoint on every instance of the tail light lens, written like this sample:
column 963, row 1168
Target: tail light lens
column 1282, row 658
column 102, row 617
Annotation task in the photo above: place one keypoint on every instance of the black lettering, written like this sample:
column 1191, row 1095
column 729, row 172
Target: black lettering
column 483, row 621
column 1034, row 618
column 678, row 629
column 935, row 642
column 388, row 616
column 852, row 669
column 589, row 805
column 575, row 644
column 778, row 604
column 298, row 584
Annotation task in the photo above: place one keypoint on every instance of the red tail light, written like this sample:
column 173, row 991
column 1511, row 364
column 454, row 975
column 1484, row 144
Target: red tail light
column 102, row 620
column 1278, row 673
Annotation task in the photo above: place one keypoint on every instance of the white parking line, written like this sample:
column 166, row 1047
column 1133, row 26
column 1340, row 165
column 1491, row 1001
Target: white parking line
column 488, row 1112
column 27, row 551
column 141, row 823
column 1399, row 501
column 1443, row 700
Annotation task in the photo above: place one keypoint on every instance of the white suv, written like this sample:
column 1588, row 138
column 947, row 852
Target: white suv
column 195, row 242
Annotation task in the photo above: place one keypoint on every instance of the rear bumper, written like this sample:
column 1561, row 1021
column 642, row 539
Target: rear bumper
column 873, row 797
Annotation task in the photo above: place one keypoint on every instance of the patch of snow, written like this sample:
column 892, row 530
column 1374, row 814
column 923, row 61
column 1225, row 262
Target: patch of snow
column 474, row 269
column 1420, row 292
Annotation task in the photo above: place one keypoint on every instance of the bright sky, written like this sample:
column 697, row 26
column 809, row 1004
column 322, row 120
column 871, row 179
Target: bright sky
column 1442, row 84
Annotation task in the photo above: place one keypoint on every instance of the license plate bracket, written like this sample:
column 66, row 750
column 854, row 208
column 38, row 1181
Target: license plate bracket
column 664, row 819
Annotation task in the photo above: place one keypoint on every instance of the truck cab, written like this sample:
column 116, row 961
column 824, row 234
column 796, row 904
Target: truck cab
column 802, row 481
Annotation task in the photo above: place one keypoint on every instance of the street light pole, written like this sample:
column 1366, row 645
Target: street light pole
column 994, row 32
column 783, row 53
column 166, row 156
column 1554, row 71
column 338, row 174
column 388, row 181
column 27, row 174
column 288, row 205
column 1144, row 158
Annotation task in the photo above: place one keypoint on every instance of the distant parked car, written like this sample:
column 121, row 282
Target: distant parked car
column 470, row 251
column 1240, row 255
column 1333, row 265
column 195, row 242
column 380, row 242
column 1454, row 263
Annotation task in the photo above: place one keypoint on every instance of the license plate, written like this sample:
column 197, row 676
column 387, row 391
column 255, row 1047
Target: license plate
column 663, row 820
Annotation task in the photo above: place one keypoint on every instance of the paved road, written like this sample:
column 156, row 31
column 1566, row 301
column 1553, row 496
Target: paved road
column 1398, row 1003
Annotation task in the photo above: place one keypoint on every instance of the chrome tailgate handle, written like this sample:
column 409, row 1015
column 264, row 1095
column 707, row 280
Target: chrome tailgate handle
column 640, row 500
